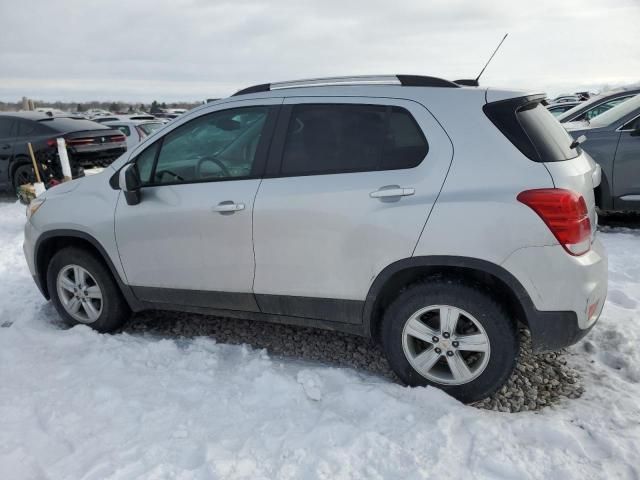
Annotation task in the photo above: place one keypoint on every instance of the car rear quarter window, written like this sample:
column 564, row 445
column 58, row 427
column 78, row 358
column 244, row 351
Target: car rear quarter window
column 337, row 138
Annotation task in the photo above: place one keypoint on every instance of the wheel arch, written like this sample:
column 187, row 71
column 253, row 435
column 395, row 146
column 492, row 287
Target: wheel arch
column 395, row 277
column 53, row 241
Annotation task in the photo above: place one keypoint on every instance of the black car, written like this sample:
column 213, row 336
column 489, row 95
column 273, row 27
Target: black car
column 89, row 144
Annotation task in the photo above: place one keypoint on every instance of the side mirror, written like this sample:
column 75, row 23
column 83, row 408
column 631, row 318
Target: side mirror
column 129, row 182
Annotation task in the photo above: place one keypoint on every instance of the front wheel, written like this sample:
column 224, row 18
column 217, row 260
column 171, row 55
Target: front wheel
column 84, row 292
column 450, row 335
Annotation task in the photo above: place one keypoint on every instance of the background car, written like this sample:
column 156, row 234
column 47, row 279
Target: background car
column 88, row 144
column 111, row 118
column 576, row 97
column 135, row 130
column 613, row 140
column 597, row 105
column 559, row 108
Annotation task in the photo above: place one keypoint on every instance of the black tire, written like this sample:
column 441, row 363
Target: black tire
column 22, row 175
column 115, row 310
column 499, row 328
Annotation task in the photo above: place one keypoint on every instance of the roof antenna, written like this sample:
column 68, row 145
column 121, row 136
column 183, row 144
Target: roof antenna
column 474, row 83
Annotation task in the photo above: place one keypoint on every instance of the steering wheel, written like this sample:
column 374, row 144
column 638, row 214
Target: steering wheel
column 225, row 170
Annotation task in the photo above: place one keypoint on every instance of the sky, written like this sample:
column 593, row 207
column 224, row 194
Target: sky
column 190, row 50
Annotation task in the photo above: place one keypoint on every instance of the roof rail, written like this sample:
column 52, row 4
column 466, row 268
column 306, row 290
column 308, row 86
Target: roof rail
column 404, row 80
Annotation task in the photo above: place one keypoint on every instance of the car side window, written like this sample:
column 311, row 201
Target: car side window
column 145, row 160
column 220, row 145
column 335, row 138
column 632, row 125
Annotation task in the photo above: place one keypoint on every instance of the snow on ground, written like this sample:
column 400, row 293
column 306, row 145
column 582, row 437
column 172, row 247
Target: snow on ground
column 75, row 404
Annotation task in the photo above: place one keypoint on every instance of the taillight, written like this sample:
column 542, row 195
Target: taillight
column 52, row 142
column 565, row 213
column 117, row 138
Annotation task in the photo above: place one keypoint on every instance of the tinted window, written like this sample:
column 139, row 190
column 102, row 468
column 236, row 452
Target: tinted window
column 549, row 138
column 6, row 125
column 65, row 124
column 326, row 138
column 215, row 146
column 30, row 127
column 632, row 125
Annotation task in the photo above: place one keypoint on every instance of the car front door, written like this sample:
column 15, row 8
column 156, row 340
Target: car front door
column 626, row 182
column 189, row 241
column 349, row 186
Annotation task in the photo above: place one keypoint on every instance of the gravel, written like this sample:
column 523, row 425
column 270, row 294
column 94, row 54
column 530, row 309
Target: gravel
column 538, row 381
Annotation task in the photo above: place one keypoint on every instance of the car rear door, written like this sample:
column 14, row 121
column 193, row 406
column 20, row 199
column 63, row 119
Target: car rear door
column 626, row 176
column 189, row 241
column 349, row 186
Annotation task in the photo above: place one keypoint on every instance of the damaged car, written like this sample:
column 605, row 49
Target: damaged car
column 88, row 143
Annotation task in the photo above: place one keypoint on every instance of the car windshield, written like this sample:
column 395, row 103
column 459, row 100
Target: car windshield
column 616, row 113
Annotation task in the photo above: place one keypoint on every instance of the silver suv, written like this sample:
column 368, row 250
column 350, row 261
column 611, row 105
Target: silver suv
column 433, row 218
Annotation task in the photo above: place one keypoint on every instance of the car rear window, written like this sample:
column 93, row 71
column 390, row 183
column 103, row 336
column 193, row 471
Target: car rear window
column 335, row 138
column 149, row 128
column 62, row 124
column 549, row 138
column 532, row 129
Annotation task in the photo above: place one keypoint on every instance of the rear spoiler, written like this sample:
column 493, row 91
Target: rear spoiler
column 503, row 114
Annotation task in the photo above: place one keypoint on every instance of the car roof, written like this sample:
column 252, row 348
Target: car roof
column 28, row 115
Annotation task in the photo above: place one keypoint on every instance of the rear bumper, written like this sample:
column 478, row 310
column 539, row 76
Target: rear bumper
column 567, row 292
column 554, row 330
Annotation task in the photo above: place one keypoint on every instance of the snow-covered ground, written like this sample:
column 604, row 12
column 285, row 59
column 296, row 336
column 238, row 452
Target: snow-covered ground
column 75, row 404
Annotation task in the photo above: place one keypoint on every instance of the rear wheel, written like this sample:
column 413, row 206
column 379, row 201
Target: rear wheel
column 22, row 175
column 84, row 292
column 451, row 335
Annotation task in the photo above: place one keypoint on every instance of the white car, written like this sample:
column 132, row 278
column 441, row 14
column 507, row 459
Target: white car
column 135, row 130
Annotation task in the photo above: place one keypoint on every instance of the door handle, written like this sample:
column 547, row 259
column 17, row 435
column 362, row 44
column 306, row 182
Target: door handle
column 6, row 146
column 228, row 207
column 392, row 191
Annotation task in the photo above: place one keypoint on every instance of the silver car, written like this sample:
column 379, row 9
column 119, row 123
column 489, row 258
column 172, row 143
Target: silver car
column 435, row 219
